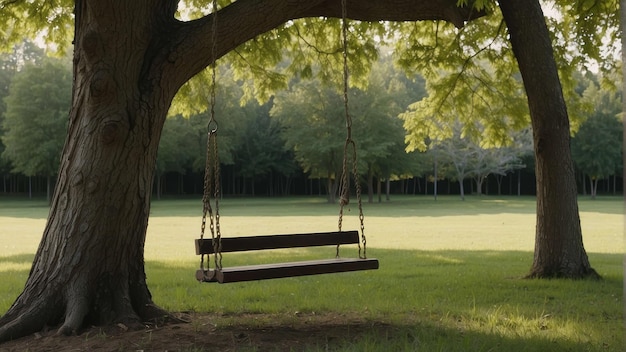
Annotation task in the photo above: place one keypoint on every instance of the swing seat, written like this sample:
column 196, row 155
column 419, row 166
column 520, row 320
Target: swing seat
column 282, row 270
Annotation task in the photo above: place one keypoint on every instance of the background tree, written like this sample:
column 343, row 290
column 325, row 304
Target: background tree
column 519, row 39
column 461, row 153
column 597, row 145
column 318, row 147
column 559, row 250
column 516, row 156
column 377, row 130
column 176, row 149
column 35, row 120
column 496, row 161
column 6, row 75
column 262, row 151
column 10, row 63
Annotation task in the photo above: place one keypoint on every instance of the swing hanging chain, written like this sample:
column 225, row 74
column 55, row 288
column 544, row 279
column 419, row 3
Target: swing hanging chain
column 344, row 196
column 211, row 179
column 208, row 181
column 344, row 39
column 206, row 199
column 205, row 209
column 212, row 128
column 345, row 185
column 216, row 234
column 355, row 173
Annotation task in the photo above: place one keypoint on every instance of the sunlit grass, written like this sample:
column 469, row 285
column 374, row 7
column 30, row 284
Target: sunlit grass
column 450, row 276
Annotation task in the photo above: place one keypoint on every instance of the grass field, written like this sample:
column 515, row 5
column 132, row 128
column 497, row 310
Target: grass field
column 450, row 276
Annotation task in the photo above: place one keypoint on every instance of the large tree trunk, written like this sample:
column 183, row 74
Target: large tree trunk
column 89, row 267
column 130, row 58
column 559, row 250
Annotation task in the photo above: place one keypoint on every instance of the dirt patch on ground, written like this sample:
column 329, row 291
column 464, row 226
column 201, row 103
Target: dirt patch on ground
column 206, row 332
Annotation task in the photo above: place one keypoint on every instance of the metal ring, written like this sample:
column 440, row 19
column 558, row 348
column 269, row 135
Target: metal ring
column 212, row 126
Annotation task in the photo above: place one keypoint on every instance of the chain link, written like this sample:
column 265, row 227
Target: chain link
column 215, row 223
column 344, row 195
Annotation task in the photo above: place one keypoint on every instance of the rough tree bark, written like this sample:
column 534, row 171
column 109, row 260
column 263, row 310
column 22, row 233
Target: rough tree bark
column 130, row 58
column 559, row 250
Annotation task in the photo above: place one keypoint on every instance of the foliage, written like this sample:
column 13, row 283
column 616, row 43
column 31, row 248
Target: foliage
column 377, row 130
column 53, row 21
column 10, row 63
column 597, row 146
column 319, row 147
column 36, row 117
column 6, row 75
column 587, row 34
column 229, row 115
column 178, row 145
column 262, row 151
column 472, row 73
column 577, row 27
column 303, row 49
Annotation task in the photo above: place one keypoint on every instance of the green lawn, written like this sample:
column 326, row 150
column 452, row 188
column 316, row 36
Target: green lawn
column 450, row 276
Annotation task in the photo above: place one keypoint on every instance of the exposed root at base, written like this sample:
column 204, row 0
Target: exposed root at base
column 589, row 274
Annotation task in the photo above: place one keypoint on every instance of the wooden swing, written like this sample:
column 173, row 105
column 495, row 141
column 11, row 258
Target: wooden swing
column 218, row 245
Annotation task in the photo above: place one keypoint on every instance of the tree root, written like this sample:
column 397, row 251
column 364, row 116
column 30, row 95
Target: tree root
column 588, row 274
column 74, row 317
column 75, row 310
column 29, row 322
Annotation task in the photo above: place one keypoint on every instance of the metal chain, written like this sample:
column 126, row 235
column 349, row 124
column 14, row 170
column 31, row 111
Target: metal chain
column 345, row 179
column 344, row 196
column 211, row 184
column 355, row 174
column 215, row 221
column 216, row 234
column 206, row 202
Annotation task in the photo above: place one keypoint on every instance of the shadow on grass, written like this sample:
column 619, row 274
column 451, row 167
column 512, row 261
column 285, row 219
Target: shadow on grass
column 417, row 300
column 377, row 336
column 18, row 259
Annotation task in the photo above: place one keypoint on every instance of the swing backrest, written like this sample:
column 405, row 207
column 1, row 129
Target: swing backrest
column 253, row 243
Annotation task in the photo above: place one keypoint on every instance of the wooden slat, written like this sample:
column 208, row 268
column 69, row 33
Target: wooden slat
column 290, row 269
column 252, row 243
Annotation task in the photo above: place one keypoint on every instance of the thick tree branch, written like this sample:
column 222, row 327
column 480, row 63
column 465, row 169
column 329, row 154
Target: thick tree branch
column 245, row 19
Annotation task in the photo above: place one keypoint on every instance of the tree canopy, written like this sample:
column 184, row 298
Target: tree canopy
column 470, row 71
